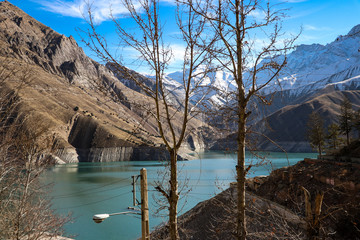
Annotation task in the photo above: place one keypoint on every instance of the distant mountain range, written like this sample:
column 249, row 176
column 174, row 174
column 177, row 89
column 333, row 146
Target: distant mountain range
column 315, row 79
column 309, row 68
column 314, row 66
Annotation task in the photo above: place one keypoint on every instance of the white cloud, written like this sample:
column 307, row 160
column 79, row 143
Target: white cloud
column 169, row 1
column 71, row 9
column 258, row 14
column 131, row 58
column 310, row 27
column 314, row 28
column 101, row 9
column 295, row 1
column 307, row 39
column 178, row 52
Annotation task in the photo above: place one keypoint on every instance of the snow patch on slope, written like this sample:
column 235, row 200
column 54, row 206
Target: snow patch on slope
column 309, row 68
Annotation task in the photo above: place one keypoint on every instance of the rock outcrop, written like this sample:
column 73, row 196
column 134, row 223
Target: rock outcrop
column 26, row 39
column 65, row 92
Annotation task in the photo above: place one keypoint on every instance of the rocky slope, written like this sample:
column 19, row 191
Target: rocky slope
column 315, row 79
column 275, row 205
column 287, row 127
column 340, row 183
column 215, row 219
column 66, row 92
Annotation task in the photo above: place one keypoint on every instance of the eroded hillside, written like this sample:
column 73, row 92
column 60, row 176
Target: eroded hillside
column 67, row 91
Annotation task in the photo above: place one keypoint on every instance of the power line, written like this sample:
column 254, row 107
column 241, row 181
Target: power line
column 91, row 203
column 80, row 193
column 203, row 194
column 106, row 199
column 201, row 179
column 194, row 186
column 90, row 189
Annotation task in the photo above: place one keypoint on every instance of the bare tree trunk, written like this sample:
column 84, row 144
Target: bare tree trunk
column 240, row 169
column 174, row 197
column 154, row 51
column 241, row 173
column 235, row 30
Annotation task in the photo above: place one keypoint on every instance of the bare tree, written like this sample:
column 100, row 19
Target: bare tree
column 148, row 42
column 254, row 68
column 25, row 207
column 24, row 141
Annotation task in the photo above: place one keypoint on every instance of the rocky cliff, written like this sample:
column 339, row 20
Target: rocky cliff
column 66, row 91
column 24, row 38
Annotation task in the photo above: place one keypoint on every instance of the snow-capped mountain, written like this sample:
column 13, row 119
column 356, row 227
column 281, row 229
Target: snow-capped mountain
column 209, row 86
column 348, row 79
column 309, row 68
column 220, row 80
column 318, row 65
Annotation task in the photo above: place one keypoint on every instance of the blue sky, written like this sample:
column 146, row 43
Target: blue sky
column 322, row 21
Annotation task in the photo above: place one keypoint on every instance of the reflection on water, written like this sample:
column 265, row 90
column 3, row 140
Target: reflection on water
column 91, row 188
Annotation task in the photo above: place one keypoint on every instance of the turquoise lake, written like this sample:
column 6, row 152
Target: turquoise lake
column 86, row 189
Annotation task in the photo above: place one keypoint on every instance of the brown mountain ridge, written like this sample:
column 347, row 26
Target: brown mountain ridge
column 87, row 125
column 287, row 126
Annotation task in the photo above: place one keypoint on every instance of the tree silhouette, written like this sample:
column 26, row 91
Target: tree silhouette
column 316, row 132
column 333, row 139
column 345, row 119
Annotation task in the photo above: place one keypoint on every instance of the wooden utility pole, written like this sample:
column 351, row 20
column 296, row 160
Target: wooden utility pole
column 145, row 231
column 134, row 190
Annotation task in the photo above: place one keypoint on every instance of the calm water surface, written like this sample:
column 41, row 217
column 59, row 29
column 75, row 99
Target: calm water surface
column 86, row 189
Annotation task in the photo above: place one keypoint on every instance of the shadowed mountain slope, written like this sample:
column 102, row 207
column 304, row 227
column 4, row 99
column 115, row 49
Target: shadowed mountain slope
column 66, row 91
column 287, row 127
